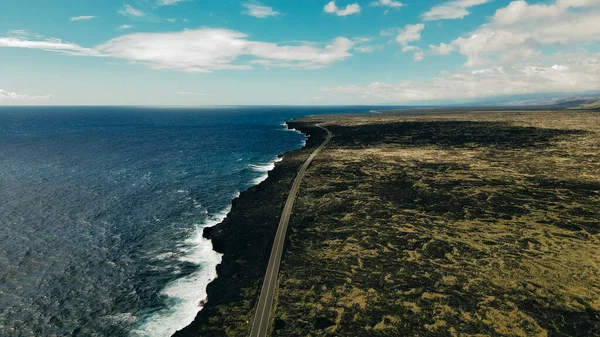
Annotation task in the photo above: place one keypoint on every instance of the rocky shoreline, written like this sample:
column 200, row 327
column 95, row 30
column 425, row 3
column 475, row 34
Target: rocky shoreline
column 245, row 238
column 445, row 224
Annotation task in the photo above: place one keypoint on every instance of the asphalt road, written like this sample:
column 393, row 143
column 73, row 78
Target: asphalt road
column 260, row 326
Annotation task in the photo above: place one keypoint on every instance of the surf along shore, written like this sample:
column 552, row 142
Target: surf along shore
column 444, row 223
column 245, row 239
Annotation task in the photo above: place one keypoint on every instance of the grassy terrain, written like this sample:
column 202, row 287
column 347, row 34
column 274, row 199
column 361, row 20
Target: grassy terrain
column 591, row 106
column 447, row 225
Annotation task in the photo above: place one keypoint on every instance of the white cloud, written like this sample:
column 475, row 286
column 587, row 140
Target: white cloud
column 84, row 17
column 301, row 56
column 559, row 67
column 257, row 10
column 457, row 9
column 418, row 56
column 520, row 31
column 521, row 50
column 128, row 10
column 200, row 50
column 13, row 96
column 442, row 49
column 519, row 11
column 122, row 27
column 410, row 33
column 387, row 3
column 408, row 48
column 53, row 45
column 406, row 35
column 207, row 49
column 577, row 72
column 169, row 2
column 332, row 8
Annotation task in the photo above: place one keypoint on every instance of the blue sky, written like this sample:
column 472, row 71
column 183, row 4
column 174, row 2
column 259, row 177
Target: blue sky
column 202, row 52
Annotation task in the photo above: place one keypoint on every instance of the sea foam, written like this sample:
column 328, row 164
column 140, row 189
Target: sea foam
column 287, row 128
column 264, row 169
column 187, row 295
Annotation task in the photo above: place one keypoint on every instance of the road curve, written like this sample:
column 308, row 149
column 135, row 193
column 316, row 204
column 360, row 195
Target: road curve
column 260, row 326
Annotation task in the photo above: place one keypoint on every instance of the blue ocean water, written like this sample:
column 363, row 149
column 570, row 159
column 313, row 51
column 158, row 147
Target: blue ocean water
column 102, row 210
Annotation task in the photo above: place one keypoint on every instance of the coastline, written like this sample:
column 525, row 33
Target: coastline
column 244, row 240
column 411, row 224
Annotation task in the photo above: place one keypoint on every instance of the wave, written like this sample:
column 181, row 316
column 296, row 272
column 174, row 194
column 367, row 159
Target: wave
column 187, row 295
column 286, row 127
column 264, row 169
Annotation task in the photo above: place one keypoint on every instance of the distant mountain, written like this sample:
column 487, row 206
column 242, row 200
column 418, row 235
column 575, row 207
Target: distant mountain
column 579, row 100
column 562, row 102
column 592, row 105
column 557, row 100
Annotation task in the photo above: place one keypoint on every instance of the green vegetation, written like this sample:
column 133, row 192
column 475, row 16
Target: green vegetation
column 428, row 223
column 590, row 106
column 447, row 225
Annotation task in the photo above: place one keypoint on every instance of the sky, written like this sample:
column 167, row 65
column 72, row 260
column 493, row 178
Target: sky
column 294, row 52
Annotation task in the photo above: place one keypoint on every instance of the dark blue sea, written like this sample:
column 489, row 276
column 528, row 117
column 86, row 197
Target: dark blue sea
column 102, row 210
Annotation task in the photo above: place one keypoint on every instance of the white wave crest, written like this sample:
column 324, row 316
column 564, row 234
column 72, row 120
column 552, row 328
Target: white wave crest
column 187, row 295
column 264, row 169
column 286, row 127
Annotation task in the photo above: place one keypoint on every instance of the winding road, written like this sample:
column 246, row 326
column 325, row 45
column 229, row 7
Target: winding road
column 260, row 326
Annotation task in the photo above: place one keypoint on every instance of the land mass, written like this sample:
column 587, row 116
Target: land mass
column 423, row 223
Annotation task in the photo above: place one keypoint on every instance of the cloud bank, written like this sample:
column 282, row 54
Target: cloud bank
column 514, row 53
column 521, row 31
column 573, row 75
column 9, row 96
column 200, row 50
column 523, row 48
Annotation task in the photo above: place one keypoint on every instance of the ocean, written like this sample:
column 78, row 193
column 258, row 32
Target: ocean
column 102, row 210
